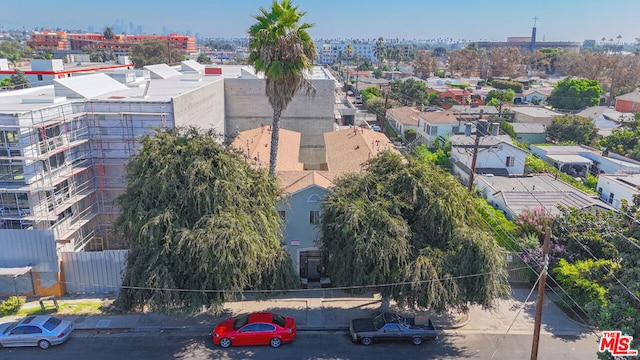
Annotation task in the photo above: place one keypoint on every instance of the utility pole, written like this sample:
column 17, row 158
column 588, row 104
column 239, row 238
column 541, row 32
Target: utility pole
column 169, row 48
column 476, row 144
column 384, row 111
column 472, row 172
column 540, row 299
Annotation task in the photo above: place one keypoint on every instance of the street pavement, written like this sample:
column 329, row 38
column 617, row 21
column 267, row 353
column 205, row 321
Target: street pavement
column 332, row 310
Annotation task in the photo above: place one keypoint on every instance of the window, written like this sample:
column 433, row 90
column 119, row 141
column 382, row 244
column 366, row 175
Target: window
column 434, row 130
column 313, row 198
column 600, row 191
column 39, row 77
column 52, row 323
column 8, row 138
column 314, row 217
column 510, row 161
column 391, row 328
column 610, row 201
column 251, row 328
column 634, row 106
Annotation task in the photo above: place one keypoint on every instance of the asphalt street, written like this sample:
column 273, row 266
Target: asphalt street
column 310, row 345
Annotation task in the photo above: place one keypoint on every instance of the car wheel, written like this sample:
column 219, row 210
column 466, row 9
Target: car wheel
column 275, row 342
column 416, row 340
column 44, row 344
column 366, row 341
column 225, row 342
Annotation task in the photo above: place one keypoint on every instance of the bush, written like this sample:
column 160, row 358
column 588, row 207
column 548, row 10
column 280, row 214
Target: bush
column 11, row 306
column 508, row 84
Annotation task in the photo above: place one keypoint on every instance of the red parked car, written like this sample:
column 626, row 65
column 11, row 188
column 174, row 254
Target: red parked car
column 255, row 329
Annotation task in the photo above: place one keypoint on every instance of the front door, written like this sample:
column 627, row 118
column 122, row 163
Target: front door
column 310, row 267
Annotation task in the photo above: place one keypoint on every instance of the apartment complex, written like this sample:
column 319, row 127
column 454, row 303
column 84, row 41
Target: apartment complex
column 63, row 147
column 61, row 41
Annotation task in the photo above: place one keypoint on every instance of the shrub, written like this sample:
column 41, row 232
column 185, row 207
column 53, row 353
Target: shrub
column 11, row 306
column 508, row 84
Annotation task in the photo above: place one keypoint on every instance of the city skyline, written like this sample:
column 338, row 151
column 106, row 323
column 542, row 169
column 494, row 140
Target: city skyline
column 409, row 19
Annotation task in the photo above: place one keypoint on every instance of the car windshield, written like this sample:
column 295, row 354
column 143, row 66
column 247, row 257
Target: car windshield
column 240, row 322
column 52, row 323
column 10, row 327
column 279, row 320
column 378, row 322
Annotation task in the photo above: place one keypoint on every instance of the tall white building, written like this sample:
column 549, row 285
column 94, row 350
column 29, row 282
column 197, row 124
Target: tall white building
column 329, row 52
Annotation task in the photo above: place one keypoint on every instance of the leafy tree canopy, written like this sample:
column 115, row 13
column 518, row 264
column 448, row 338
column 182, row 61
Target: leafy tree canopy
column 198, row 217
column 14, row 51
column 154, row 51
column 108, row 33
column 203, row 59
column 575, row 94
column 409, row 92
column 403, row 220
column 370, row 92
column 577, row 129
column 501, row 95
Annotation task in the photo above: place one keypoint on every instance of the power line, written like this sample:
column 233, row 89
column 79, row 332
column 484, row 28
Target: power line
column 226, row 291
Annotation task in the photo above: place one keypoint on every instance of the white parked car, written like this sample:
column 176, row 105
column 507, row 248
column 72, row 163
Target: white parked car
column 38, row 330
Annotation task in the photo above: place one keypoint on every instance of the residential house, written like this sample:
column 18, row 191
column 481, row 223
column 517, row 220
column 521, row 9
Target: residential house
column 582, row 160
column 613, row 188
column 497, row 155
column 402, row 119
column 604, row 118
column 514, row 195
column 300, row 208
column 432, row 125
column 530, row 133
column 349, row 149
column 533, row 114
column 628, row 102
column 533, row 96
column 454, row 95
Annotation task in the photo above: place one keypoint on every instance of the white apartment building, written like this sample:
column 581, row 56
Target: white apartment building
column 330, row 51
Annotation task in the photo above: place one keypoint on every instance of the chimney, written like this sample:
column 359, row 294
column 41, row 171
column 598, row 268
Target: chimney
column 482, row 127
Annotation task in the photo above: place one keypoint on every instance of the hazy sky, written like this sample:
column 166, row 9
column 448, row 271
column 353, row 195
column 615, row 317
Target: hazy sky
column 558, row 20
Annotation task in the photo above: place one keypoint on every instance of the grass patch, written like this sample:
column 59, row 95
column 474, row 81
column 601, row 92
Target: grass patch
column 81, row 307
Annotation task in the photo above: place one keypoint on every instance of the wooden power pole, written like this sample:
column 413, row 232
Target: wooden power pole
column 540, row 299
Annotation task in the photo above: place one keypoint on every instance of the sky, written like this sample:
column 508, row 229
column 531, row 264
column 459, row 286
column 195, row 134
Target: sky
column 477, row 20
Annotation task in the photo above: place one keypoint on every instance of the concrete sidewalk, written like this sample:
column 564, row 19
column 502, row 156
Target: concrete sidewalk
column 332, row 310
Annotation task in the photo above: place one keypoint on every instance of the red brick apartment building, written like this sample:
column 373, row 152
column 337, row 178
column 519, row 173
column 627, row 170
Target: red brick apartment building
column 60, row 40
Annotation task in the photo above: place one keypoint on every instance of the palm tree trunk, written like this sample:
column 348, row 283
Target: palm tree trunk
column 275, row 133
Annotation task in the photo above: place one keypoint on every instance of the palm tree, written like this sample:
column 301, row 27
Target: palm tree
column 378, row 51
column 282, row 49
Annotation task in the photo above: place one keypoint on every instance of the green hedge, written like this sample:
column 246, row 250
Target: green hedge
column 508, row 84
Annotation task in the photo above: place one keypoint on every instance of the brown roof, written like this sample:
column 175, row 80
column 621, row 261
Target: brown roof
column 255, row 144
column 292, row 181
column 440, row 117
column 405, row 115
column 348, row 149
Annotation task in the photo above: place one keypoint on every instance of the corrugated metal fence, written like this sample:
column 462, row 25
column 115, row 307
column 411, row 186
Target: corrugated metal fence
column 94, row 272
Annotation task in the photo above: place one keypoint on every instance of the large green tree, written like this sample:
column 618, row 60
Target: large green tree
column 154, row 51
column 14, row 51
column 572, row 128
column 198, row 218
column 281, row 48
column 575, row 94
column 409, row 92
column 406, row 225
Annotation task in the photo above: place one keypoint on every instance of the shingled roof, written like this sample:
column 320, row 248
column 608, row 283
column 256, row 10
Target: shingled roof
column 255, row 145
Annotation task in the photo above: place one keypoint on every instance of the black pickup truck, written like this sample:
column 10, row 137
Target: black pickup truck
column 391, row 327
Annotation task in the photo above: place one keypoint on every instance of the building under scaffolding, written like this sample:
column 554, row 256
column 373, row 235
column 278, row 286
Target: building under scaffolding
column 63, row 148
